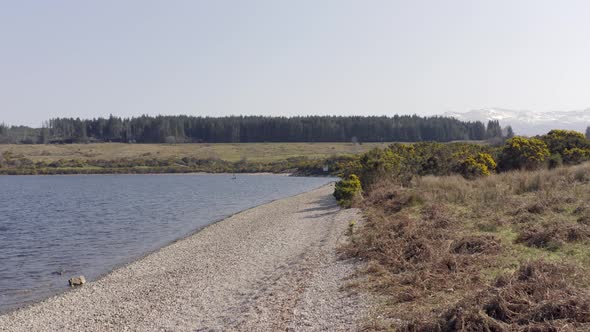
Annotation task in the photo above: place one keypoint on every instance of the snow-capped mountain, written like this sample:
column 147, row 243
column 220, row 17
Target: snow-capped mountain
column 527, row 122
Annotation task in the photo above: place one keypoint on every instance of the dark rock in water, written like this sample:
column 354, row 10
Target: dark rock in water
column 59, row 272
column 77, row 281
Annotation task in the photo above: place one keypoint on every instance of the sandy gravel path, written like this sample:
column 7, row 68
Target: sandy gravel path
column 270, row 268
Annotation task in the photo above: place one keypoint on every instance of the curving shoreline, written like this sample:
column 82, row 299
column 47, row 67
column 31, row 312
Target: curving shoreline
column 271, row 267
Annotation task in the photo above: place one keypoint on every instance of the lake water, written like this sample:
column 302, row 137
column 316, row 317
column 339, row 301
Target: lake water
column 55, row 227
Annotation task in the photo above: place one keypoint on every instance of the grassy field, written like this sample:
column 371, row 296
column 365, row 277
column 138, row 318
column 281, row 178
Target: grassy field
column 119, row 158
column 260, row 152
column 507, row 252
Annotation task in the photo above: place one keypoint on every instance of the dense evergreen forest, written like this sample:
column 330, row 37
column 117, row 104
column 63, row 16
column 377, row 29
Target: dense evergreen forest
column 243, row 129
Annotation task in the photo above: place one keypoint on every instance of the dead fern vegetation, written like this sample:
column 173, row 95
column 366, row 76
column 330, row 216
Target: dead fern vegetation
column 507, row 252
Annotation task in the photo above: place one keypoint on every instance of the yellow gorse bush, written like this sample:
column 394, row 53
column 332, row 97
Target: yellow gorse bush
column 521, row 152
column 481, row 164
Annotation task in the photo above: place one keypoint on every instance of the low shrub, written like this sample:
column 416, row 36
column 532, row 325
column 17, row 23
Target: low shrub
column 347, row 189
column 523, row 153
column 482, row 164
column 575, row 155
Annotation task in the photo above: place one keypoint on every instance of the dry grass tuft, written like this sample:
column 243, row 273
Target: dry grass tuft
column 476, row 244
column 540, row 237
column 438, row 215
column 553, row 236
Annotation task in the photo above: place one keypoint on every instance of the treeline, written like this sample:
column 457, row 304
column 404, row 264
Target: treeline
column 243, row 129
column 19, row 134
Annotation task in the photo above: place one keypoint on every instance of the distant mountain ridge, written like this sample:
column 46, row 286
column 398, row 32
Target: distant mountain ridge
column 528, row 122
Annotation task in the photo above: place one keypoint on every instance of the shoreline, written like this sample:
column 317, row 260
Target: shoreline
column 267, row 212
column 171, row 173
column 187, row 173
column 294, row 174
column 144, row 255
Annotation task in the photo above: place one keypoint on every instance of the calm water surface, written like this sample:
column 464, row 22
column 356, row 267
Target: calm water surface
column 55, row 227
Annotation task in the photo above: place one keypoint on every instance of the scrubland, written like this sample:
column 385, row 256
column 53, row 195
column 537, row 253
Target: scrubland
column 504, row 252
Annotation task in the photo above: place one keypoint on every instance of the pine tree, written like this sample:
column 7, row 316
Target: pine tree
column 509, row 132
column 494, row 129
column 44, row 134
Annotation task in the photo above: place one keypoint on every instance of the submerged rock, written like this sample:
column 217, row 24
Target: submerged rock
column 59, row 272
column 77, row 281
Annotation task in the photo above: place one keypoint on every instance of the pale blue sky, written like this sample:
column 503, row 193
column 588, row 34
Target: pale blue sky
column 93, row 58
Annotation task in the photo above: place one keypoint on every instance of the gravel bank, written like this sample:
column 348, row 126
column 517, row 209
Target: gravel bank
column 270, row 268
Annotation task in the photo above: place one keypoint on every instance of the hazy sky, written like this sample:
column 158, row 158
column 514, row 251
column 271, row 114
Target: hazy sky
column 93, row 58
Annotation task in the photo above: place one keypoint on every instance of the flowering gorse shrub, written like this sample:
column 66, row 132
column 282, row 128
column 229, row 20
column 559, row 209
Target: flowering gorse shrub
column 523, row 153
column 482, row 164
column 347, row 189
column 570, row 146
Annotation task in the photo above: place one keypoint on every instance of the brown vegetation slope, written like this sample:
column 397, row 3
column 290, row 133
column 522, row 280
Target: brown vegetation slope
column 508, row 252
